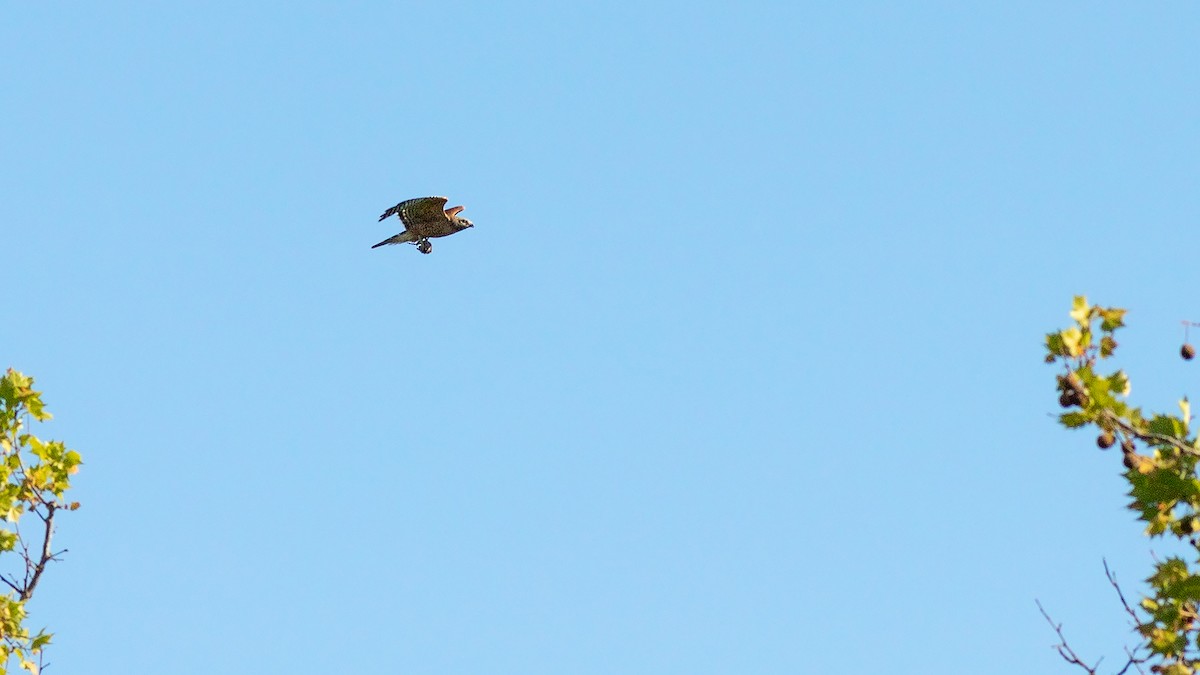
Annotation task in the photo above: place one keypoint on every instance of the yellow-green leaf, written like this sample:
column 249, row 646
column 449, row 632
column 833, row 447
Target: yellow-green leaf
column 1080, row 310
column 1072, row 339
column 1113, row 318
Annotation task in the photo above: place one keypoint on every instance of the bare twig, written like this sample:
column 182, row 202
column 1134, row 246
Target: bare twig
column 1112, row 579
column 1133, row 661
column 1064, row 650
column 1136, row 662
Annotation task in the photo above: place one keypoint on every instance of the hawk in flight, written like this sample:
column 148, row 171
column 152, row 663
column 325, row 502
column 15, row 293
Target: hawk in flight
column 423, row 218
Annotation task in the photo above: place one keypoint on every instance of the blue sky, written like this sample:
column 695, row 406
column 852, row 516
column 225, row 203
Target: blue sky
column 738, row 372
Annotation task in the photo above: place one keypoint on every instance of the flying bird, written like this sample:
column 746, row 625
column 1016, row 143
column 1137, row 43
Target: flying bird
column 424, row 218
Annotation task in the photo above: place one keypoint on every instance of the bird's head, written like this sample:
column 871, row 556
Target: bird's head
column 452, row 214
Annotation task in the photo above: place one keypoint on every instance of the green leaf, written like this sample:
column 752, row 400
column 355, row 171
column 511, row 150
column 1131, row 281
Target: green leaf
column 1185, row 590
column 1073, row 420
column 1107, row 346
column 1166, row 642
column 37, row 409
column 1099, row 390
column 1166, row 425
column 37, row 447
column 1112, row 318
column 1163, row 487
column 1054, row 344
column 1118, row 383
column 1171, row 570
column 40, row 641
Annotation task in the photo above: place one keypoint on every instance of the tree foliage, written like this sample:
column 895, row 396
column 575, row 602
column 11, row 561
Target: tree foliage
column 1160, row 454
column 34, row 479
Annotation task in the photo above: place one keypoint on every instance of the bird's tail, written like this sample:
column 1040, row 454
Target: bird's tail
column 402, row 238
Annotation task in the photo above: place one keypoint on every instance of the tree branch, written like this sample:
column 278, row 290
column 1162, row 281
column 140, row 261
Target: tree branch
column 1064, row 650
column 11, row 584
column 1069, row 655
column 1112, row 579
column 1147, row 436
column 46, row 556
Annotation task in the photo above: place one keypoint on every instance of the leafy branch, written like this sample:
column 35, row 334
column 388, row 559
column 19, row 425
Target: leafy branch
column 1160, row 456
column 34, row 478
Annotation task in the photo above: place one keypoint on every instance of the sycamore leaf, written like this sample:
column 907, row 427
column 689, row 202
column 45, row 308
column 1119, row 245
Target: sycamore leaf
column 1171, row 570
column 1168, row 643
column 1185, row 589
column 1054, row 344
column 1167, row 425
column 1107, row 346
column 36, row 408
column 1163, row 487
column 1080, row 310
column 1073, row 341
column 1112, row 318
column 37, row 447
column 1118, row 383
column 1073, row 420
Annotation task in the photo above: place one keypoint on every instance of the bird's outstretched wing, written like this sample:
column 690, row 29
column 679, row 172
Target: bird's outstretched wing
column 419, row 210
